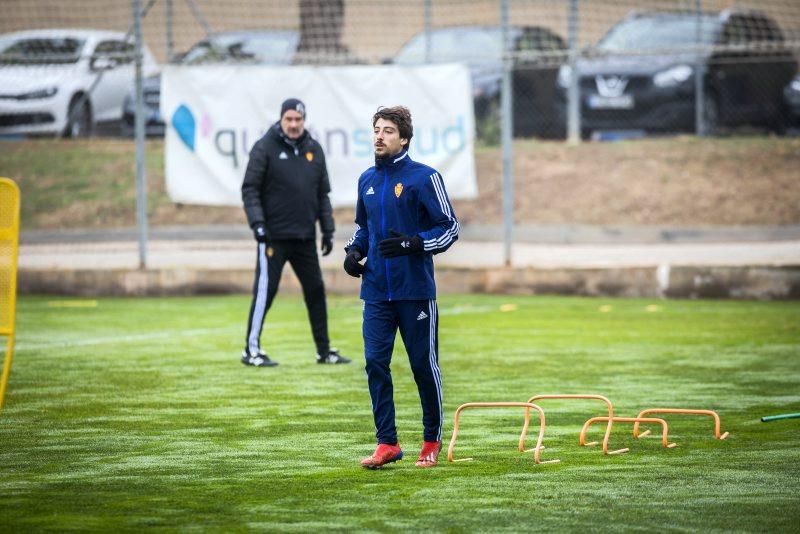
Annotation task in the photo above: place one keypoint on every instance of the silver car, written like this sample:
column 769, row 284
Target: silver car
column 45, row 76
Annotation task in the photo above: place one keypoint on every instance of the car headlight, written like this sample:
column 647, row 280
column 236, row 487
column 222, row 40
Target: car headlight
column 673, row 76
column 39, row 94
column 795, row 85
column 564, row 76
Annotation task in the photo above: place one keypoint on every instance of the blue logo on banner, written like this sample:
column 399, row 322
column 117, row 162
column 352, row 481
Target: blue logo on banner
column 183, row 122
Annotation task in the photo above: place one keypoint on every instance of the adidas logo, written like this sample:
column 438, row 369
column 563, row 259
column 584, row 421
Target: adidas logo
column 422, row 315
column 370, row 191
column 283, row 156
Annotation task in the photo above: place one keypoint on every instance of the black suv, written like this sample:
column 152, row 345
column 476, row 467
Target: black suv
column 641, row 75
column 481, row 49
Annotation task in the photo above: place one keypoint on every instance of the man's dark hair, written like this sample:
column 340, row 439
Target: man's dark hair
column 401, row 117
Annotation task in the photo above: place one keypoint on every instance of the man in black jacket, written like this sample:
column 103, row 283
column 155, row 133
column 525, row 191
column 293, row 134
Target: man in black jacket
column 285, row 191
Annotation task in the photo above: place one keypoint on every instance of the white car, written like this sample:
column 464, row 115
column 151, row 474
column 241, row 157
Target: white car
column 44, row 75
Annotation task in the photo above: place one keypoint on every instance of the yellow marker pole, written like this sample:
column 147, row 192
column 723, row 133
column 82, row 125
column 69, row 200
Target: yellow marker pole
column 9, row 250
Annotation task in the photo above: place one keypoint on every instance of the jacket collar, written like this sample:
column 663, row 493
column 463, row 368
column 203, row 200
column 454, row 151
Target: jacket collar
column 292, row 143
column 393, row 162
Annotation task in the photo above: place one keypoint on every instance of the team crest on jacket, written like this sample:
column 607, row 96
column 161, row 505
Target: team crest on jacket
column 310, row 156
column 398, row 190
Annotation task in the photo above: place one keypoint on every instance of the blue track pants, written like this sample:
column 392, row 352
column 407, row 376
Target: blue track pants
column 418, row 324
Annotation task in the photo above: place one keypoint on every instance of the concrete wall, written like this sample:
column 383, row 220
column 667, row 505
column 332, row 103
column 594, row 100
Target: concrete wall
column 778, row 283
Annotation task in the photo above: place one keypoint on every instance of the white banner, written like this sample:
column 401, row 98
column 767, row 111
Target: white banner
column 215, row 114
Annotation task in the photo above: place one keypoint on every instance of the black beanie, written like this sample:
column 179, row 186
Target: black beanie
column 293, row 104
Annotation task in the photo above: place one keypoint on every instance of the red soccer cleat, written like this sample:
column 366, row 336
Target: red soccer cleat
column 384, row 454
column 429, row 455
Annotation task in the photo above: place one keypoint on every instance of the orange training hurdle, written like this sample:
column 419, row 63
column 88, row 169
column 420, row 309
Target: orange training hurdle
column 635, row 420
column 537, row 451
column 582, row 442
column 683, row 411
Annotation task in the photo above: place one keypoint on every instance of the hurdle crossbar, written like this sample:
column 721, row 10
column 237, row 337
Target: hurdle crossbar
column 681, row 411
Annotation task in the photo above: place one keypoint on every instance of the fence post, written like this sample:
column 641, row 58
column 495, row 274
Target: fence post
column 141, row 177
column 573, row 91
column 427, row 26
column 170, row 31
column 699, row 73
column 506, row 131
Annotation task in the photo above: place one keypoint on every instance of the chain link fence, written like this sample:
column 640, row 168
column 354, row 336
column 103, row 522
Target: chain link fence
column 589, row 67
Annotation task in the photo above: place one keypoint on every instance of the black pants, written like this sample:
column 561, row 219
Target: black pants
column 302, row 256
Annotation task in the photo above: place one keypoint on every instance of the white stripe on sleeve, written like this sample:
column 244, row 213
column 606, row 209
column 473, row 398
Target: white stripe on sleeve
column 355, row 235
column 449, row 235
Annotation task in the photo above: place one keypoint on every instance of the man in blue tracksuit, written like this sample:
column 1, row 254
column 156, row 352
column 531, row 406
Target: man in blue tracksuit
column 403, row 218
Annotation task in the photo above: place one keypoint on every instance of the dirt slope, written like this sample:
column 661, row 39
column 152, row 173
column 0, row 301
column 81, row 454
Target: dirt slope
column 680, row 181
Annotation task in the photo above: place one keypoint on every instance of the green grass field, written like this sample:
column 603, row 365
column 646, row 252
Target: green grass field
column 136, row 413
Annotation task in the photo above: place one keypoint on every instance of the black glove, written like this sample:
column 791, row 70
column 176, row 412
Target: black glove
column 327, row 244
column 400, row 245
column 260, row 233
column 351, row 264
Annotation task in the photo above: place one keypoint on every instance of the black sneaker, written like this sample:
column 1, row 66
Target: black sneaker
column 259, row 360
column 332, row 357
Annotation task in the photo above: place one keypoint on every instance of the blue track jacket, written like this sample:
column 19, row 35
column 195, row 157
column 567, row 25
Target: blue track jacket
column 408, row 197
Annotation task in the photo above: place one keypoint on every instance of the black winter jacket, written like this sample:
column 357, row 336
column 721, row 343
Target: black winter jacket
column 286, row 186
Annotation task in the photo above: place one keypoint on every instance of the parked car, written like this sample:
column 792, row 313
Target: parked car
column 481, row 47
column 44, row 75
column 261, row 47
column 641, row 74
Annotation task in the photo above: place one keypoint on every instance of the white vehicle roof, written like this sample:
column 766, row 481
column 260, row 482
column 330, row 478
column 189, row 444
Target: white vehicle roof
column 79, row 33
column 91, row 36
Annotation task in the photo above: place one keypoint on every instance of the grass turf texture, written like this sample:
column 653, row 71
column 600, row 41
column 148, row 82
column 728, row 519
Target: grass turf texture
column 137, row 413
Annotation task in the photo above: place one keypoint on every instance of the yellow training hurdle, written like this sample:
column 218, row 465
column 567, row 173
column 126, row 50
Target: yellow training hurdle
column 636, row 420
column 610, row 419
column 582, row 440
column 9, row 250
column 537, row 451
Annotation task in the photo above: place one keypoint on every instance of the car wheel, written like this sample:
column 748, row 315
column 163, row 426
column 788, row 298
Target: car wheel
column 779, row 124
column 710, row 115
column 79, row 119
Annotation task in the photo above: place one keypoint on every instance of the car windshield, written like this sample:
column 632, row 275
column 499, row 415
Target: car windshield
column 660, row 32
column 264, row 48
column 38, row 51
column 473, row 45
